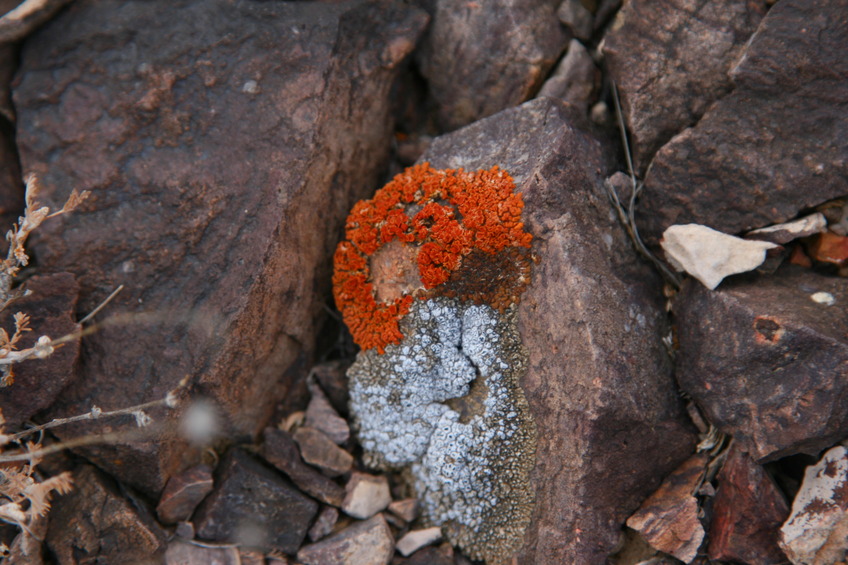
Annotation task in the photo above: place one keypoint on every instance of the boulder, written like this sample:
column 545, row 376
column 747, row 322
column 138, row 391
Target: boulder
column 766, row 358
column 573, row 418
column 223, row 143
column 671, row 60
column 773, row 146
column 481, row 57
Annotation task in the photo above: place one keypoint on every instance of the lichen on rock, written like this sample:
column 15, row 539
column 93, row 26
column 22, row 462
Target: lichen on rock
column 428, row 281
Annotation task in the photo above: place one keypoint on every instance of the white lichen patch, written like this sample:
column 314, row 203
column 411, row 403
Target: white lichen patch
column 445, row 406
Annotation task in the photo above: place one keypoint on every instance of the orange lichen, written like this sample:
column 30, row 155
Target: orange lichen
column 456, row 216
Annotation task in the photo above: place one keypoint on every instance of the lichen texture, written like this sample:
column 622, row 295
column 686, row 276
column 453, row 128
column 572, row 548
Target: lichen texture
column 428, row 280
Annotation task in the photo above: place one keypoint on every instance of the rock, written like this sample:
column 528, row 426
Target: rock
column 668, row 519
column 709, row 255
column 94, row 523
column 592, row 383
column 414, row 540
column 213, row 146
column 434, row 556
column 407, row 509
column 817, row 529
column 575, row 79
column 332, row 376
column 576, row 18
column 254, row 506
column 321, row 415
column 251, row 557
column 324, row 523
column 747, row 513
column 320, row 451
column 671, row 59
column 366, row 495
column 280, row 450
column 180, row 552
column 773, row 146
column 786, row 232
column 830, row 248
column 366, row 542
column 185, row 530
column 183, row 493
column 501, row 49
column 39, row 382
column 767, row 359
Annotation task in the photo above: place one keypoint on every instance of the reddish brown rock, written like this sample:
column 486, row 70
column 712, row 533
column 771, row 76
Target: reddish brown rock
column 254, row 506
column 38, row 382
column 609, row 423
column 95, row 523
column 365, row 542
column 776, row 144
column 747, row 513
column 280, row 450
column 767, row 359
column 223, row 144
column 332, row 378
column 321, row 415
column 180, row 552
column 668, row 519
column 324, row 523
column 183, row 493
column 575, row 79
column 433, row 556
column 481, row 57
column 319, row 451
column 671, row 59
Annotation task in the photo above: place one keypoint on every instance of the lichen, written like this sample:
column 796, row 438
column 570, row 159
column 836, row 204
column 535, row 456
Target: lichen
column 468, row 462
column 446, row 214
column 428, row 280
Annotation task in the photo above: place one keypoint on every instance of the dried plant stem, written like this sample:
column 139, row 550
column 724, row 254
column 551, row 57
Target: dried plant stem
column 627, row 215
column 109, row 298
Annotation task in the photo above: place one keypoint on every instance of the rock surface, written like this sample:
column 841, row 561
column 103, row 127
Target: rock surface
column 668, row 520
column 366, row 542
column 254, row 506
column 671, row 59
column 767, row 361
column 598, row 382
column 38, row 382
column 513, row 45
column 206, row 140
column 776, row 144
column 183, row 493
column 365, row 495
column 575, row 78
column 95, row 523
column 817, row 529
column 747, row 513
column 709, row 255
column 280, row 450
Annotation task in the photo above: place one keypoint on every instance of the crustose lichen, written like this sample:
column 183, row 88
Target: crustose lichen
column 428, row 280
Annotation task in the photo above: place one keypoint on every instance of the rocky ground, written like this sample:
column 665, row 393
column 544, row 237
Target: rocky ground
column 675, row 418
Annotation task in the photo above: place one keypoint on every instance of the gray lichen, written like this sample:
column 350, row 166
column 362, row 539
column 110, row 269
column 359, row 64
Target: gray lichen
column 445, row 407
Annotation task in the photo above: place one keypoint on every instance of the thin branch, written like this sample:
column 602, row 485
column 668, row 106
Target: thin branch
column 627, row 216
column 102, row 304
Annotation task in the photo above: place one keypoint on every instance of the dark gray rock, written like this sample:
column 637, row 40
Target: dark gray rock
column 254, row 506
column 481, row 57
column 767, row 359
column 670, row 60
column 223, row 144
column 598, row 383
column 775, row 145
